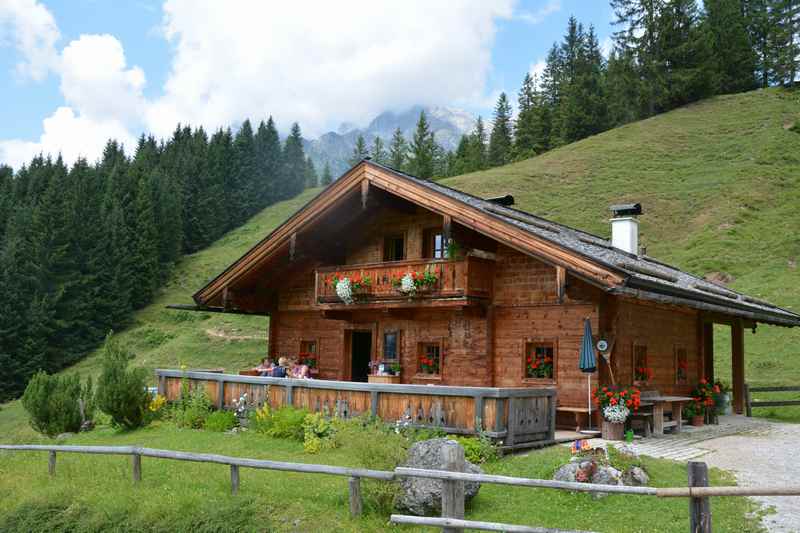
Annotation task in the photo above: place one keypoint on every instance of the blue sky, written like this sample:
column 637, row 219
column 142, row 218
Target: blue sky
column 77, row 71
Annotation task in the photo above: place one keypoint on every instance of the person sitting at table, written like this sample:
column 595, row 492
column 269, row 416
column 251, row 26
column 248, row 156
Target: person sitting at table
column 281, row 371
column 298, row 371
column 265, row 367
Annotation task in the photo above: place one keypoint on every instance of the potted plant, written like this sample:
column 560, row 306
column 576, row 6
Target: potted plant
column 395, row 368
column 411, row 283
column 641, row 375
column 695, row 412
column 615, row 405
column 350, row 288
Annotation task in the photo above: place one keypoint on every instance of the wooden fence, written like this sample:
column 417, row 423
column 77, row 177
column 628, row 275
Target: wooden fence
column 453, row 479
column 520, row 416
column 749, row 403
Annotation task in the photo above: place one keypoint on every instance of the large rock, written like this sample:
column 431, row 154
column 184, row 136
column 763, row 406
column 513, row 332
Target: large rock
column 422, row 496
column 635, row 477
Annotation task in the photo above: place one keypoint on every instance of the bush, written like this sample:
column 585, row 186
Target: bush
column 477, row 450
column 319, row 433
column 376, row 446
column 54, row 403
column 220, row 421
column 287, row 423
column 193, row 408
column 122, row 393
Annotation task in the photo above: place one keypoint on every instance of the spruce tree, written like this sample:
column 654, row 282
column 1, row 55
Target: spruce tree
column 477, row 158
column 500, row 140
column 733, row 60
column 268, row 162
column 378, row 151
column 294, row 164
column 524, row 132
column 327, row 178
column 169, row 223
column 146, row 265
column 460, row 163
column 359, row 151
column 785, row 41
column 241, row 204
column 422, row 150
column 398, row 151
column 622, row 88
column 220, row 163
column 311, row 174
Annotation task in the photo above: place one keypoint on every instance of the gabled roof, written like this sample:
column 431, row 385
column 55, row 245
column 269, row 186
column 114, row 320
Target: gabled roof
column 583, row 254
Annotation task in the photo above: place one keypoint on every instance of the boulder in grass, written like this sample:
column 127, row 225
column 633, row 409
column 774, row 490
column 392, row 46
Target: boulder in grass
column 423, row 496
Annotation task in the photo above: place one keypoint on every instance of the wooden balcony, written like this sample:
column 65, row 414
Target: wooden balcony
column 466, row 281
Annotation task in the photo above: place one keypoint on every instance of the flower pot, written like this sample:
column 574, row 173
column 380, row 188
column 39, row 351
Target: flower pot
column 613, row 430
column 697, row 420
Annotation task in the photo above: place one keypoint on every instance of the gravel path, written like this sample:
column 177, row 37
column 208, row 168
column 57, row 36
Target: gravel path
column 764, row 456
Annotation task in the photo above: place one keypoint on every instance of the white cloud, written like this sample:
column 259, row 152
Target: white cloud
column 33, row 31
column 316, row 63
column 538, row 16
column 321, row 64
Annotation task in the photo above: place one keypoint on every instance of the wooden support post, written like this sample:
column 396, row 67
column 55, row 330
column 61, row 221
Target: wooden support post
column 374, row 402
column 51, row 464
column 748, row 401
column 234, row 479
column 447, row 222
column 478, row 403
column 355, row 496
column 220, row 394
column 289, row 395
column 162, row 386
column 136, row 461
column 708, row 350
column 452, row 491
column 561, row 283
column 737, row 356
column 699, row 508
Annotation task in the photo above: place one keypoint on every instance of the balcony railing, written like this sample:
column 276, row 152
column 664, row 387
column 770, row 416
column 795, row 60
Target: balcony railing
column 468, row 278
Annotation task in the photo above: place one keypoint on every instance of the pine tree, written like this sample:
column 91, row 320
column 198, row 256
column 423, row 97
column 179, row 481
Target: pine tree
column 146, row 272
column 245, row 173
column 398, row 151
column 477, row 158
column 294, row 164
column 268, row 162
column 760, row 30
column 622, row 89
column 785, row 41
column 327, row 178
column 422, row 150
column 220, row 175
column 500, row 140
column 169, row 222
column 311, row 174
column 378, row 152
column 524, row 132
column 359, row 151
column 6, row 196
column 460, row 158
column 733, row 61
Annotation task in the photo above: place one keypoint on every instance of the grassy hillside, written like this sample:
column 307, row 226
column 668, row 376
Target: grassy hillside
column 719, row 182
column 720, row 186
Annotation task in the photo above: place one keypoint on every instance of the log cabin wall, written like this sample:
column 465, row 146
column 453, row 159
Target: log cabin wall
column 663, row 331
column 411, row 225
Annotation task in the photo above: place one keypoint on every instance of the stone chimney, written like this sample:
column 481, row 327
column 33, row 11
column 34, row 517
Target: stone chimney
column 625, row 227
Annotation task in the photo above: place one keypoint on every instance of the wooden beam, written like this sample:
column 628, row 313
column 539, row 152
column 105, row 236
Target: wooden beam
column 561, row 283
column 292, row 246
column 707, row 347
column 737, row 356
column 364, row 193
column 331, row 314
column 447, row 228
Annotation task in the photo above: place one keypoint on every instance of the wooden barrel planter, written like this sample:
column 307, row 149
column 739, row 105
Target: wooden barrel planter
column 698, row 420
column 613, row 430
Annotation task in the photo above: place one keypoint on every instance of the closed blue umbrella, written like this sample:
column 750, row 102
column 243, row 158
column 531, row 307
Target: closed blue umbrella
column 588, row 360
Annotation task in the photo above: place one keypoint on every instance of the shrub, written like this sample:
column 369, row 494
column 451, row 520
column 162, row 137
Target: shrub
column 287, row 423
column 318, row 433
column 260, row 419
column 192, row 409
column 156, row 407
column 477, row 450
column 220, row 421
column 54, row 403
column 376, row 446
column 122, row 393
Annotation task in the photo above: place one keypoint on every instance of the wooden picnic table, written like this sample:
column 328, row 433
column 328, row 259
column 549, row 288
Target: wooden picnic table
column 659, row 402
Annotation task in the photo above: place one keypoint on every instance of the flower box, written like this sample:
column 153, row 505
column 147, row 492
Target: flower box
column 613, row 430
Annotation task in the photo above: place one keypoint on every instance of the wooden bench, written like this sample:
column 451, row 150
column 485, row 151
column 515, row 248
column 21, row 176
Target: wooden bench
column 580, row 415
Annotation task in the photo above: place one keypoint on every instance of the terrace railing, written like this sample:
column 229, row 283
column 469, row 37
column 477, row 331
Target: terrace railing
column 470, row 277
column 517, row 416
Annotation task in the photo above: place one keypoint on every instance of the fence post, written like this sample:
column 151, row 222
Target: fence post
column 51, row 463
column 355, row 496
column 699, row 508
column 234, row 479
column 136, row 461
column 452, row 491
column 748, row 401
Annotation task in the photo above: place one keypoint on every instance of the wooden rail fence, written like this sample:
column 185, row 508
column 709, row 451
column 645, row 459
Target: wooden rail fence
column 749, row 403
column 453, row 479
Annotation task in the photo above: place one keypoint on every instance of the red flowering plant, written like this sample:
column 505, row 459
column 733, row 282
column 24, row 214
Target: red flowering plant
column 411, row 282
column 642, row 373
column 703, row 395
column 614, row 395
column 357, row 281
column 309, row 359
column 428, row 364
column 539, row 365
